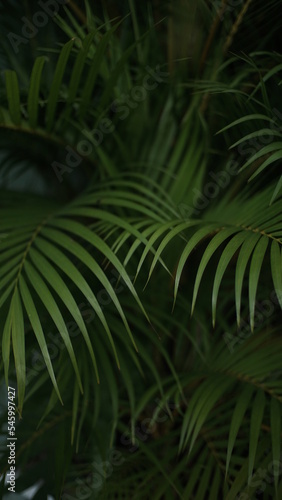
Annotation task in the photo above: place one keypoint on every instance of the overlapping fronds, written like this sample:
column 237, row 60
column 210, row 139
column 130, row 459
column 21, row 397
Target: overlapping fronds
column 140, row 251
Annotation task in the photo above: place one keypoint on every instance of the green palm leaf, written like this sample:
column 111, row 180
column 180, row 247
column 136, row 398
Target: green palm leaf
column 13, row 96
column 34, row 87
column 56, row 84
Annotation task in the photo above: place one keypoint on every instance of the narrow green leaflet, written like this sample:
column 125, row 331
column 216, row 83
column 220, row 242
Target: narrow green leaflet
column 83, row 412
column 75, row 404
column 255, row 268
column 276, row 190
column 115, row 74
column 255, row 427
column 10, row 266
column 159, row 230
column 273, row 158
column 97, row 242
column 64, row 263
column 254, row 135
column 94, row 70
column 190, row 417
column 262, row 152
column 13, row 95
column 85, row 257
column 266, row 77
column 56, row 282
column 53, row 309
column 177, row 152
column 242, row 262
column 56, row 84
column 276, row 269
column 106, row 216
column 214, row 489
column 77, row 70
column 18, row 341
column 194, row 478
column 225, row 259
column 37, row 328
column 255, row 116
column 130, row 391
column 193, row 241
column 205, row 406
column 33, row 93
column 110, row 375
column 123, row 238
column 17, row 249
column 275, row 426
column 206, row 480
column 214, row 244
column 6, row 344
column 146, row 450
column 6, row 294
column 237, row 418
column 63, row 383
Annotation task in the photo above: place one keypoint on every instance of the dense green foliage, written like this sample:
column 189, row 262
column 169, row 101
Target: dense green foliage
column 140, row 248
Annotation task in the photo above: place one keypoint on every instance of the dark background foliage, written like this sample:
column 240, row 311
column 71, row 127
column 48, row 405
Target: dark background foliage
column 140, row 249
